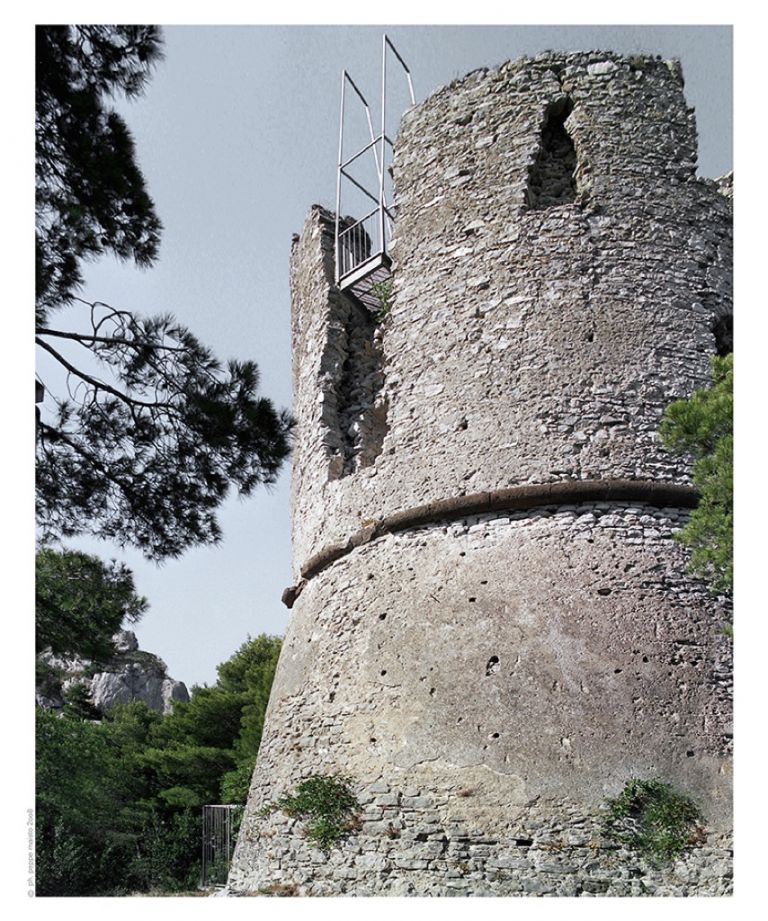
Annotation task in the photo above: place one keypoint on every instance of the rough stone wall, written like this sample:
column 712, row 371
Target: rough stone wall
column 420, row 842
column 526, row 345
column 485, row 720
column 337, row 371
column 488, row 681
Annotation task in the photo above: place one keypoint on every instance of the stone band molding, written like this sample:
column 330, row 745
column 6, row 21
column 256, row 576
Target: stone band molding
column 512, row 498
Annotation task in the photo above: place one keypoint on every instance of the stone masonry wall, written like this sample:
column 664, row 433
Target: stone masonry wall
column 523, row 346
column 484, row 723
column 488, row 679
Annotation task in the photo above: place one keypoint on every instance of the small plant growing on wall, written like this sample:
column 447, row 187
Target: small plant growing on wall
column 649, row 816
column 326, row 803
column 383, row 291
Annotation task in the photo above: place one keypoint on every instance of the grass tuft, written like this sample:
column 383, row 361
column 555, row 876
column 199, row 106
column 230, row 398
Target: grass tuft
column 649, row 816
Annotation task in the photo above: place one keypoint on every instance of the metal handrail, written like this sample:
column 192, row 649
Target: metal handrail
column 355, row 244
column 384, row 213
column 361, row 187
column 363, row 219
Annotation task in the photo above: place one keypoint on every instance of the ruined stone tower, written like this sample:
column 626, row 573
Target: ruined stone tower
column 492, row 627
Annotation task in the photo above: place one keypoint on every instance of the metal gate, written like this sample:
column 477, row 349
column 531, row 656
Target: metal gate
column 220, row 827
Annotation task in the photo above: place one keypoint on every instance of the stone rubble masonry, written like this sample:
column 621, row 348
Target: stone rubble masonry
column 487, row 676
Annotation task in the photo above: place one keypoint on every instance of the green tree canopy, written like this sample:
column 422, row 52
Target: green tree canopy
column 151, row 430
column 251, row 671
column 118, row 801
column 702, row 426
column 228, row 718
column 210, row 718
column 79, row 797
column 119, row 794
column 253, row 664
column 81, row 602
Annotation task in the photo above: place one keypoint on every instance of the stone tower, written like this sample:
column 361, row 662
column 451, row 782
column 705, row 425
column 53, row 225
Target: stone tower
column 492, row 627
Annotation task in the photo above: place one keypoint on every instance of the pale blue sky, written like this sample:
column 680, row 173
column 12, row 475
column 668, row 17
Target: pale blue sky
column 237, row 136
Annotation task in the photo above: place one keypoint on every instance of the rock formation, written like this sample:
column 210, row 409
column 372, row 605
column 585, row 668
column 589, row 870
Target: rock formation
column 131, row 674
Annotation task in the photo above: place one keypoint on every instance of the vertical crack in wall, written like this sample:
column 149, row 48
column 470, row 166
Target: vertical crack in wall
column 362, row 416
column 361, row 410
column 350, row 375
column 551, row 179
column 712, row 248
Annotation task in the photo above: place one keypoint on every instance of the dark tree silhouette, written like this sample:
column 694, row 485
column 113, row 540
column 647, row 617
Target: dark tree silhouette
column 151, row 431
column 90, row 193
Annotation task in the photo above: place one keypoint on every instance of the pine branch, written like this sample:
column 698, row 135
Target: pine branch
column 83, row 338
column 100, row 385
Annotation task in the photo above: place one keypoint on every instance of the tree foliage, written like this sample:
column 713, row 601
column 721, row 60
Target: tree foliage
column 118, row 801
column 91, row 194
column 228, row 717
column 145, row 454
column 151, row 430
column 79, row 796
column 702, row 426
column 81, row 602
column 249, row 672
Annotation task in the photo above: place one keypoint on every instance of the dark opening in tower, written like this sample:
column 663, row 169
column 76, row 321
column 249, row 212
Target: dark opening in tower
column 723, row 332
column 551, row 179
column 359, row 421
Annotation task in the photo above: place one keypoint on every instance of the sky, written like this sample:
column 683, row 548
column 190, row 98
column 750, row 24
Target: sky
column 237, row 136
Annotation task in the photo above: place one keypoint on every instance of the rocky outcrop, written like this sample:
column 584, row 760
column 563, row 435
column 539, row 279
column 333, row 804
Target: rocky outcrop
column 131, row 674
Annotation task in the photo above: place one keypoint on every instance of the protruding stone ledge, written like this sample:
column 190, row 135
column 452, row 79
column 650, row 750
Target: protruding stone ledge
column 512, row 498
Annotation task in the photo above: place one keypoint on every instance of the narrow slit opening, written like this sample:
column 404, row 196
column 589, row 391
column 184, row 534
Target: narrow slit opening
column 551, row 178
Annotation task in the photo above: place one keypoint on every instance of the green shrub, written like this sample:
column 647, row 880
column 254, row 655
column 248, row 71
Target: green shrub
column 651, row 817
column 167, row 852
column 326, row 803
column 383, row 291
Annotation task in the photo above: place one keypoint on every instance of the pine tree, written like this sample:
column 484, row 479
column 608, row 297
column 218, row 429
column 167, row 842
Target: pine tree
column 81, row 602
column 91, row 196
column 702, row 426
column 153, row 430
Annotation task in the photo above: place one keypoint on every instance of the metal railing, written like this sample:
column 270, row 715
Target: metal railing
column 220, row 826
column 353, row 243
column 357, row 242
